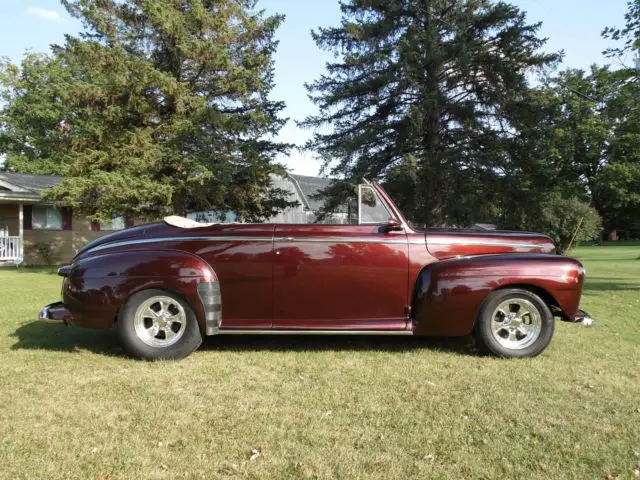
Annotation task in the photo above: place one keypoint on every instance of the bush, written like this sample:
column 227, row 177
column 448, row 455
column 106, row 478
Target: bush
column 566, row 221
column 46, row 252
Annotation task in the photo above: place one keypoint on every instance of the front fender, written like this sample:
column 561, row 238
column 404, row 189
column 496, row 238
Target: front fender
column 448, row 295
column 97, row 286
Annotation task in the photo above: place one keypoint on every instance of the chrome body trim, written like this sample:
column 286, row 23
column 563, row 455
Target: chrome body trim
column 401, row 240
column 461, row 232
column 486, row 244
column 211, row 299
column 143, row 241
column 233, row 331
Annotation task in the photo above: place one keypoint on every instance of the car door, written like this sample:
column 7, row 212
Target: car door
column 341, row 276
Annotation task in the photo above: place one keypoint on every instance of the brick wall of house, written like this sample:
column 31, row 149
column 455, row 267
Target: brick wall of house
column 64, row 242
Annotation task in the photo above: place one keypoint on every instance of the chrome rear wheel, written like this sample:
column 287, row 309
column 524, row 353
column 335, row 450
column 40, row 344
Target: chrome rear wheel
column 158, row 324
column 160, row 321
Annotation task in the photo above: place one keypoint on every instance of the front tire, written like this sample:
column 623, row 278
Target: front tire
column 158, row 325
column 514, row 323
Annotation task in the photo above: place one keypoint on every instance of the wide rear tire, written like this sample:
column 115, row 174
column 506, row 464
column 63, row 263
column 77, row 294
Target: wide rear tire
column 514, row 323
column 158, row 325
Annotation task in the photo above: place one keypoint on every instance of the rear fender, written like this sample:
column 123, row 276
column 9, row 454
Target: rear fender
column 448, row 295
column 96, row 287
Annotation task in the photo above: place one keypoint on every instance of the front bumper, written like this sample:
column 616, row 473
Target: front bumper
column 56, row 313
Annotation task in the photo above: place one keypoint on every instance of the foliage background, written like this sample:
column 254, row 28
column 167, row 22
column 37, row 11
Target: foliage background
column 160, row 107
column 156, row 107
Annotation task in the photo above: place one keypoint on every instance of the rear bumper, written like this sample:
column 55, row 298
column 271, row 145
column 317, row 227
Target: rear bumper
column 56, row 313
column 583, row 317
column 64, row 270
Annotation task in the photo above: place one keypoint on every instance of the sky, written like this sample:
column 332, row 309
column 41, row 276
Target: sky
column 570, row 25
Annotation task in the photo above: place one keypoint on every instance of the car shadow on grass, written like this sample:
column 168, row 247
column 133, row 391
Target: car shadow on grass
column 39, row 336
column 319, row 343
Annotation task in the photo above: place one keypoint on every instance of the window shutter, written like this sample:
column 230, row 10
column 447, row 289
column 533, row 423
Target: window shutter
column 67, row 218
column 128, row 222
column 27, row 217
column 95, row 226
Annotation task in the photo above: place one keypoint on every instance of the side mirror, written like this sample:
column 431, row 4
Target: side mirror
column 393, row 225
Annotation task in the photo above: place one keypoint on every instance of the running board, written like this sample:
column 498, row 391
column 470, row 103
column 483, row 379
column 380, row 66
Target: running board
column 233, row 331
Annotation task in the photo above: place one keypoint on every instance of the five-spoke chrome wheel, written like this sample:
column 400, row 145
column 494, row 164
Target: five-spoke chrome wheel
column 516, row 323
column 156, row 324
column 160, row 321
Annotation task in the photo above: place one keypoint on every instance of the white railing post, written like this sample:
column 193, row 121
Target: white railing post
column 21, row 230
column 9, row 248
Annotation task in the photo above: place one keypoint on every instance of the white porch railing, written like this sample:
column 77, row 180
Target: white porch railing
column 9, row 248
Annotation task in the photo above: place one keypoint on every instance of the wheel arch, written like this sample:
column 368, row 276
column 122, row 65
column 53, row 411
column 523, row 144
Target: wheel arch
column 159, row 287
column 544, row 294
column 448, row 295
column 99, row 286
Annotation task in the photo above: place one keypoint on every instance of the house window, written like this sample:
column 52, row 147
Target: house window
column 116, row 223
column 46, row 218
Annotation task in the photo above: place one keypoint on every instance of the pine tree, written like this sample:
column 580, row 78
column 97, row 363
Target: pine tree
column 420, row 95
column 629, row 35
column 157, row 106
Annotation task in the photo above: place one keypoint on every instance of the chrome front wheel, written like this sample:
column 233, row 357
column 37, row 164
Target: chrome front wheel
column 514, row 322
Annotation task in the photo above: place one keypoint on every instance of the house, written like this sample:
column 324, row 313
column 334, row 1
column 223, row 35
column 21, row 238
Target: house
column 302, row 189
column 30, row 228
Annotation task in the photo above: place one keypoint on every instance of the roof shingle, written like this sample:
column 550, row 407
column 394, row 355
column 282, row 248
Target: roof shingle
column 309, row 187
column 33, row 183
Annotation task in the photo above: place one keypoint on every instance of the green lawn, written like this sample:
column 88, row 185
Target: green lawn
column 74, row 407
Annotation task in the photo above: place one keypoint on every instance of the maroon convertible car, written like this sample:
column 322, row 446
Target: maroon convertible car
column 167, row 285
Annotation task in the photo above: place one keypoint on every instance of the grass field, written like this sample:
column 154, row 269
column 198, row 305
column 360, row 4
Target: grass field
column 74, row 407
